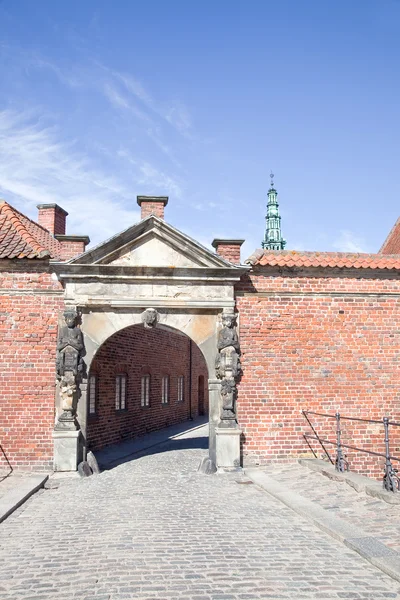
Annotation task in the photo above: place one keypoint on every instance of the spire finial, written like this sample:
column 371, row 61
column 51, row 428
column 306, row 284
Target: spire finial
column 273, row 239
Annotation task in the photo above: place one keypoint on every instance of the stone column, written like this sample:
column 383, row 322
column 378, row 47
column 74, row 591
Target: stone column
column 228, row 370
column 214, row 402
column 69, row 369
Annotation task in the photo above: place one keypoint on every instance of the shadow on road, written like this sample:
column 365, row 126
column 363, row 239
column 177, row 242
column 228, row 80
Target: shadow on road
column 171, row 445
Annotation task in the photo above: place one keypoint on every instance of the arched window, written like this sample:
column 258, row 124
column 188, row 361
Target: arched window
column 165, row 389
column 120, row 391
column 92, row 394
column 145, row 391
column 181, row 381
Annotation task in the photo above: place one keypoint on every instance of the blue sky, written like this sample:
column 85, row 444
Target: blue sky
column 101, row 101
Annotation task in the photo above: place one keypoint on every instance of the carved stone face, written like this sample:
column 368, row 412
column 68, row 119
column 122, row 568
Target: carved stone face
column 70, row 319
column 150, row 317
column 228, row 320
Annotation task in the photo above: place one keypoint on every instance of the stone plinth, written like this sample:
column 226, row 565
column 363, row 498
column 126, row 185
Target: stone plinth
column 228, row 447
column 66, row 450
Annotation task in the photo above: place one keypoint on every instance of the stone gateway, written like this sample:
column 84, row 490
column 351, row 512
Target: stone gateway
column 150, row 328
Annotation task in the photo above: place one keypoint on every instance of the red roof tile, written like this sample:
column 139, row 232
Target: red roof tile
column 292, row 258
column 392, row 243
column 22, row 238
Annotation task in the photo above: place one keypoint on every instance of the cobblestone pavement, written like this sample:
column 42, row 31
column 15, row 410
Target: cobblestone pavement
column 8, row 481
column 374, row 516
column 154, row 528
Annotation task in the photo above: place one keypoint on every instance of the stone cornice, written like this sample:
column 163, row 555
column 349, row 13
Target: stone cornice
column 114, row 273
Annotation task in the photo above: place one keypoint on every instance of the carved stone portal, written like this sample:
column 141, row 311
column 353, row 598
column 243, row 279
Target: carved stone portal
column 227, row 366
column 69, row 369
column 150, row 318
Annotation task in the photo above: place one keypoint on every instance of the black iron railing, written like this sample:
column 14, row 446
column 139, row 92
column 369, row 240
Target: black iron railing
column 391, row 481
column 2, row 477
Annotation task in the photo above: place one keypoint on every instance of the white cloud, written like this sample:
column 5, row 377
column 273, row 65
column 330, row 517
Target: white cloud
column 150, row 177
column 117, row 99
column 37, row 168
column 178, row 116
column 347, row 241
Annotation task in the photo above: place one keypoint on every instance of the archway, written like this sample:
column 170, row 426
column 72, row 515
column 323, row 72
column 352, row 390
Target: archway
column 142, row 380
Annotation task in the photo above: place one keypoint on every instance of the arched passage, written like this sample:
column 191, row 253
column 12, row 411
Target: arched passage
column 142, row 380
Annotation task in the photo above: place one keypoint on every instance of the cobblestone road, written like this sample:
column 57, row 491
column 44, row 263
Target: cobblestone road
column 377, row 518
column 154, row 528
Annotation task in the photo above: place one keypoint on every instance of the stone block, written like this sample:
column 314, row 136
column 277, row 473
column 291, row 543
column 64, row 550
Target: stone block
column 228, row 448
column 66, row 450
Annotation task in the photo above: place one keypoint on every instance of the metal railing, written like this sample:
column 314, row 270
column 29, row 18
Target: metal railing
column 2, row 477
column 391, row 480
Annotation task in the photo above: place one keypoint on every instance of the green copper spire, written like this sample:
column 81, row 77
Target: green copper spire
column 273, row 239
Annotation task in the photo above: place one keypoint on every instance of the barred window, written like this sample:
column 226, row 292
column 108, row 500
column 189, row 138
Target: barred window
column 180, row 388
column 120, row 392
column 165, row 390
column 145, row 393
column 92, row 394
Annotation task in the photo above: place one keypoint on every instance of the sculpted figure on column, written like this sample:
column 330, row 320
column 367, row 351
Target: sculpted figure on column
column 227, row 365
column 228, row 361
column 69, row 364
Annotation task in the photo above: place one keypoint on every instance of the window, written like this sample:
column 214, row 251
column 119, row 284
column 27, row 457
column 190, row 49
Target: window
column 180, row 388
column 165, row 390
column 92, row 394
column 120, row 392
column 145, row 395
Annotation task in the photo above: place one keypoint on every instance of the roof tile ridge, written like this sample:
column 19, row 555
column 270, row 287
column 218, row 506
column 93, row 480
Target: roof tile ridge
column 29, row 219
column 389, row 236
column 14, row 218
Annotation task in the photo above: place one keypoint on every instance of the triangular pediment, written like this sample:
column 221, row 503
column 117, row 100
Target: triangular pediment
column 152, row 243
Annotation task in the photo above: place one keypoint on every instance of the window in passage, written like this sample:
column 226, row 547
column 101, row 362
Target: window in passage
column 180, row 388
column 165, row 389
column 145, row 392
column 92, row 394
column 120, row 391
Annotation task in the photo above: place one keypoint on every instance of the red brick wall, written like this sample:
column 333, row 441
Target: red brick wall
column 70, row 249
column 392, row 242
column 152, row 208
column 28, row 332
column 321, row 341
column 53, row 219
column 137, row 351
column 230, row 252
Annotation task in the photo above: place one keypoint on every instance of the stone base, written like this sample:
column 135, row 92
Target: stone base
column 228, row 447
column 66, row 450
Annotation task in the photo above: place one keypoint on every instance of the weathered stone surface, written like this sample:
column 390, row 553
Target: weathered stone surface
column 66, row 450
column 228, row 447
column 84, row 469
column 207, row 466
column 92, row 462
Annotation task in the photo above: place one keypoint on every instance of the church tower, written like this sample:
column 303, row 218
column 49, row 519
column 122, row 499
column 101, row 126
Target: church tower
column 273, row 239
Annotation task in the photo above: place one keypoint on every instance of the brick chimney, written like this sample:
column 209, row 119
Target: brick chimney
column 228, row 249
column 152, row 205
column 52, row 217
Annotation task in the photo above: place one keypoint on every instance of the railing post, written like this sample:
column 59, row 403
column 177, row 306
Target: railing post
column 340, row 463
column 390, row 479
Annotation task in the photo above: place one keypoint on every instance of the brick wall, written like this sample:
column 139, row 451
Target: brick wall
column 136, row 351
column 318, row 340
column 392, row 243
column 230, row 252
column 29, row 307
column 152, row 208
column 53, row 218
column 70, row 249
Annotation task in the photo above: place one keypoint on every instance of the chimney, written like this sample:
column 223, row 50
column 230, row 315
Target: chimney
column 52, row 217
column 228, row 249
column 152, row 205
